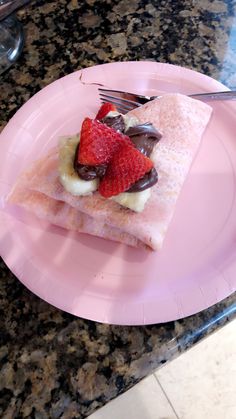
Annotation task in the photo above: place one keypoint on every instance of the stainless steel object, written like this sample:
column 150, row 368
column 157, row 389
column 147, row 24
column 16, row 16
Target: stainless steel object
column 125, row 101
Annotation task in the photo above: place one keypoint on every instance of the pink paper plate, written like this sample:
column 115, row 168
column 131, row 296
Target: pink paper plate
column 109, row 282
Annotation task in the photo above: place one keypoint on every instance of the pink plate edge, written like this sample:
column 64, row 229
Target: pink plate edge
column 84, row 309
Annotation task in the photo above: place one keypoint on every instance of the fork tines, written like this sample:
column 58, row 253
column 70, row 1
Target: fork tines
column 122, row 105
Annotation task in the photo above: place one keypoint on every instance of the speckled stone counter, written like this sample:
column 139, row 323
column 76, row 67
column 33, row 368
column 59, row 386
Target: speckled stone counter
column 54, row 365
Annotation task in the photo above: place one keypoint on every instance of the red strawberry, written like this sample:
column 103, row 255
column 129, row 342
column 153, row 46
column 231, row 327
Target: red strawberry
column 98, row 142
column 105, row 109
column 126, row 167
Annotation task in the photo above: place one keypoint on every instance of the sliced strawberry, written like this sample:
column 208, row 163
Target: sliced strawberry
column 98, row 142
column 105, row 109
column 126, row 167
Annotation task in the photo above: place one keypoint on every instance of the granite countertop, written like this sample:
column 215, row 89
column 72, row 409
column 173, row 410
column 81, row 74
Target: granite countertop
column 54, row 365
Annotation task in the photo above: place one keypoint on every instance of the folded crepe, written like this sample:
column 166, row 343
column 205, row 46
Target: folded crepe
column 182, row 121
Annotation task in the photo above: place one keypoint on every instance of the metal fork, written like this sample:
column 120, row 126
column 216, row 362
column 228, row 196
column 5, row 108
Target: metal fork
column 125, row 101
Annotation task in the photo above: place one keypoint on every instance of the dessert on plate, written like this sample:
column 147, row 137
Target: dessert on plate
column 120, row 177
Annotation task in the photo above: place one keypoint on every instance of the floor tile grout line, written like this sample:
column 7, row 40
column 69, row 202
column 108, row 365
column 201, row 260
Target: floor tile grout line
column 158, row 382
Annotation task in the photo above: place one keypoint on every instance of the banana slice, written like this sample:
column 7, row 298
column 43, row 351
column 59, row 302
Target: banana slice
column 133, row 200
column 130, row 121
column 68, row 176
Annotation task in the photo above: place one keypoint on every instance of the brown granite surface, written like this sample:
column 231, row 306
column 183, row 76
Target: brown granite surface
column 54, row 365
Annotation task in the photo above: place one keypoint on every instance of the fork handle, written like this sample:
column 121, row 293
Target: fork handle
column 228, row 95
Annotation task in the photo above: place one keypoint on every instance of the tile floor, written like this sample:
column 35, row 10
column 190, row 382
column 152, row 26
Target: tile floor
column 200, row 384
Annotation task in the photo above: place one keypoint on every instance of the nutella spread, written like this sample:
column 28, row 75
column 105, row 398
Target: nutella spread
column 145, row 182
column 144, row 137
column 86, row 172
column 116, row 122
column 90, row 172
